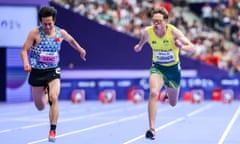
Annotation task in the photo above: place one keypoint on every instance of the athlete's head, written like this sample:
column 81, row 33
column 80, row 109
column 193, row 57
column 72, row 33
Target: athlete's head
column 159, row 17
column 47, row 17
column 47, row 11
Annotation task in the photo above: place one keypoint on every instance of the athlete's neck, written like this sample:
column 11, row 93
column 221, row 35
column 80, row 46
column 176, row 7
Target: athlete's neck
column 160, row 32
column 50, row 33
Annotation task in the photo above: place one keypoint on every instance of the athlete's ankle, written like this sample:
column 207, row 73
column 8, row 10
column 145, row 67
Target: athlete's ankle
column 53, row 127
column 152, row 130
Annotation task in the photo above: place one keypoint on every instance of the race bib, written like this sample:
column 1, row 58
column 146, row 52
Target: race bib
column 164, row 57
column 48, row 57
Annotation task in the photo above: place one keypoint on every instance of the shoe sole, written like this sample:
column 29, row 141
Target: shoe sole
column 151, row 138
column 149, row 135
column 52, row 140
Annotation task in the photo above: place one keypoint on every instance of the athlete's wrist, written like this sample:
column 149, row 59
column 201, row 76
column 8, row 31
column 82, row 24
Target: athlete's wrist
column 82, row 50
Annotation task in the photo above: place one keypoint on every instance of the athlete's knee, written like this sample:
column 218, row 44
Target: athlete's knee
column 39, row 104
column 154, row 94
column 40, row 107
column 173, row 104
column 53, row 99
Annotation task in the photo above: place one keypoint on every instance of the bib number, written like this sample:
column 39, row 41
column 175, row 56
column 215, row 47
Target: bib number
column 164, row 57
column 48, row 57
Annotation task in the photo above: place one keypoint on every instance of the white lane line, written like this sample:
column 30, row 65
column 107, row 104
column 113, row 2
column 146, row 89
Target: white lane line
column 99, row 125
column 199, row 110
column 115, row 110
column 68, row 119
column 227, row 130
column 65, row 107
column 179, row 119
column 64, row 120
column 93, row 127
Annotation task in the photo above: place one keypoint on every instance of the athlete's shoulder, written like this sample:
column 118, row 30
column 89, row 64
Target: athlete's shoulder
column 58, row 27
column 63, row 32
column 33, row 32
column 171, row 26
column 148, row 28
column 176, row 31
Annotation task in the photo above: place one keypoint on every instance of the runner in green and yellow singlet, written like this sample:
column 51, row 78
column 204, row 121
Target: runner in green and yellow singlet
column 166, row 41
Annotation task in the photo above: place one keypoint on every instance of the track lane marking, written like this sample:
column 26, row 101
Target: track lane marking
column 179, row 119
column 99, row 126
column 229, row 126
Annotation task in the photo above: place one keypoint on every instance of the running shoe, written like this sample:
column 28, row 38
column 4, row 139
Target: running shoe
column 52, row 136
column 150, row 135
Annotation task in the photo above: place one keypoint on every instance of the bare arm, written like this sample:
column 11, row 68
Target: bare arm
column 24, row 52
column 138, row 47
column 182, row 41
column 66, row 36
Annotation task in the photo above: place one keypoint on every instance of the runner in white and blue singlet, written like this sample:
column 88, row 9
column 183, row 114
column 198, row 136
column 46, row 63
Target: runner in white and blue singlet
column 44, row 44
column 46, row 54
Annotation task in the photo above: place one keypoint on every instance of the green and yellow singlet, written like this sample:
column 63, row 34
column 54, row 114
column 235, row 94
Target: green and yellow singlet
column 165, row 52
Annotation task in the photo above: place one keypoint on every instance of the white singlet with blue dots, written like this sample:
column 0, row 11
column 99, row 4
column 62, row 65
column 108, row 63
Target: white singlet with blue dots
column 46, row 54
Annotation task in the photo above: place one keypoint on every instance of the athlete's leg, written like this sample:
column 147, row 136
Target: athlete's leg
column 156, row 83
column 173, row 94
column 39, row 97
column 54, row 90
column 164, row 96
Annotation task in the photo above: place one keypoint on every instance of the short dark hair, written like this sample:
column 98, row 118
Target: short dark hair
column 160, row 10
column 46, row 12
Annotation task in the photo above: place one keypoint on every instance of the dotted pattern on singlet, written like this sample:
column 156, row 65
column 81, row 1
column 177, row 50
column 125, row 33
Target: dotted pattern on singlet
column 46, row 45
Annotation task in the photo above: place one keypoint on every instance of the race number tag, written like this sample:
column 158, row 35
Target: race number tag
column 48, row 57
column 164, row 57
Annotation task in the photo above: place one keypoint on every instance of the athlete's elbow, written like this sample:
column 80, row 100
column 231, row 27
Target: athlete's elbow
column 23, row 53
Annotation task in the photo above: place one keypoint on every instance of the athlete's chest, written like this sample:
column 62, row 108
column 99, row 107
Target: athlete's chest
column 45, row 42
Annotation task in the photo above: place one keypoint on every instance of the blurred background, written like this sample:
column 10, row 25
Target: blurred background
column 108, row 30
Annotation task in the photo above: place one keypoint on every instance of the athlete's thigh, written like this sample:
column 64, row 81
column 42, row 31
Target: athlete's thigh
column 54, row 87
column 156, row 82
column 38, row 93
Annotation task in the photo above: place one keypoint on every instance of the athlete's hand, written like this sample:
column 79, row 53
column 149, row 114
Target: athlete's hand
column 178, row 43
column 137, row 48
column 27, row 68
column 83, row 54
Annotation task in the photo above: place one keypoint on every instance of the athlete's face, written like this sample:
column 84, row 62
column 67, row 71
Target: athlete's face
column 47, row 24
column 158, row 21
